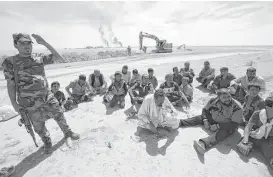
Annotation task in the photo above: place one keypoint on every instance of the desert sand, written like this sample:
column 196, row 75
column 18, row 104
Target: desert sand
column 106, row 147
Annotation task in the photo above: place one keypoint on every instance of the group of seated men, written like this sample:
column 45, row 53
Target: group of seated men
column 238, row 103
column 177, row 87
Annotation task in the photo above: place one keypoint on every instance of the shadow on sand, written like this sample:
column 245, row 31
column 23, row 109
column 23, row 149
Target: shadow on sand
column 109, row 110
column 130, row 112
column 204, row 90
column 151, row 140
column 229, row 144
column 33, row 160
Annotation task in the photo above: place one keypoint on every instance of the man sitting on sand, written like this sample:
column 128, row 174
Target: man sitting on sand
column 177, row 77
column 59, row 95
column 126, row 75
column 221, row 115
column 187, row 89
column 116, row 92
column 239, row 86
column 253, row 101
column 206, row 75
column 81, row 90
column 152, row 78
column 258, row 133
column 173, row 92
column 187, row 72
column 97, row 82
column 136, row 76
column 222, row 80
column 140, row 90
column 157, row 113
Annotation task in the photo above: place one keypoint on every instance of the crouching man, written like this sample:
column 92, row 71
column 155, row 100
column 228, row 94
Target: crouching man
column 79, row 88
column 206, row 75
column 97, row 82
column 174, row 92
column 221, row 115
column 116, row 92
column 258, row 132
column 157, row 113
column 139, row 91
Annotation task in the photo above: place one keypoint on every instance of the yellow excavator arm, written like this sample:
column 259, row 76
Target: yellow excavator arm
column 161, row 45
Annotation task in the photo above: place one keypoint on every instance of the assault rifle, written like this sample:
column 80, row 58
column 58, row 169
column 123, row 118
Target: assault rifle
column 28, row 124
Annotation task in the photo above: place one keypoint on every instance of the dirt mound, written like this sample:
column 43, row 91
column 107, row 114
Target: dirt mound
column 75, row 56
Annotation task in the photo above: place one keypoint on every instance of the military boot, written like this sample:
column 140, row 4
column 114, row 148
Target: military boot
column 47, row 146
column 72, row 135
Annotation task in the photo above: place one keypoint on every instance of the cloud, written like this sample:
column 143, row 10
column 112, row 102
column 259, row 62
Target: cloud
column 190, row 22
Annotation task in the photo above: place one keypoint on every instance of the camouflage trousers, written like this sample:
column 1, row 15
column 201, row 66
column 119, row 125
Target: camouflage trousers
column 44, row 110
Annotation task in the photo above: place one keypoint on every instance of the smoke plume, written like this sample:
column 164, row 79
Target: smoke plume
column 108, row 37
column 102, row 35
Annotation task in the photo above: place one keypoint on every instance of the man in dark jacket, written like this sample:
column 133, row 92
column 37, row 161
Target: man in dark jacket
column 222, row 80
column 222, row 115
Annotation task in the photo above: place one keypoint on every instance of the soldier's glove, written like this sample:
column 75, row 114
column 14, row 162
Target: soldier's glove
column 244, row 148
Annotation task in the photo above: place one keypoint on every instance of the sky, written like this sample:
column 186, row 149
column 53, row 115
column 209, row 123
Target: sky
column 76, row 24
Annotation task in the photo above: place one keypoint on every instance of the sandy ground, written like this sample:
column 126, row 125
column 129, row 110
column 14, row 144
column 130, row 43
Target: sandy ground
column 106, row 148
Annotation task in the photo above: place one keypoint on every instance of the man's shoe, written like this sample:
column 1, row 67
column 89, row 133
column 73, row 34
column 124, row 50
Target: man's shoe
column 72, row 135
column 199, row 147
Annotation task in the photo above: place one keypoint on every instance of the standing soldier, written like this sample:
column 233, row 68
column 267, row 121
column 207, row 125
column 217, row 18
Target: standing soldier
column 129, row 50
column 26, row 79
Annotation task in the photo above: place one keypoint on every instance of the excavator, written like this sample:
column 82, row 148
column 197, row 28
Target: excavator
column 161, row 45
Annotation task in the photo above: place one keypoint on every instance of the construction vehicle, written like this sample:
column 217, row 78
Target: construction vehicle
column 161, row 45
column 184, row 47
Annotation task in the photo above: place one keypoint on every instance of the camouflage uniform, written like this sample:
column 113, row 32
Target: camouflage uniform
column 34, row 94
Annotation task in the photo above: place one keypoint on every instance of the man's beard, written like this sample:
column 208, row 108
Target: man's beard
column 251, row 77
